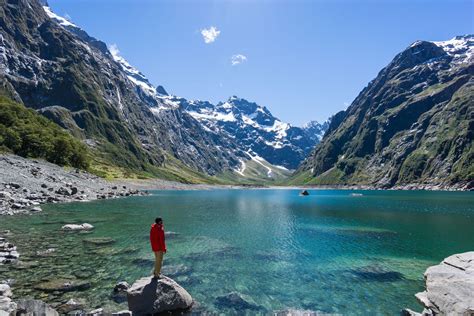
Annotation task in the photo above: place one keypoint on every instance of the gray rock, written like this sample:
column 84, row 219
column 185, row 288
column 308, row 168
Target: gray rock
column 5, row 290
column 75, row 227
column 7, row 305
column 71, row 305
column 236, row 301
column 63, row 285
column 449, row 286
column 96, row 312
column 36, row 209
column 5, row 195
column 122, row 313
column 30, row 307
column 121, row 286
column 149, row 296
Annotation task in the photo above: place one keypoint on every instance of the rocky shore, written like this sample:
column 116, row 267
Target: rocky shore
column 25, row 184
column 449, row 287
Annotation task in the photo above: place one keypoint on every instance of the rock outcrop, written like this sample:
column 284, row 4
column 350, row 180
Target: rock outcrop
column 150, row 296
column 449, row 287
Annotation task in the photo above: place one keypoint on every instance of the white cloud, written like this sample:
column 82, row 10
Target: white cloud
column 238, row 59
column 210, row 34
column 113, row 49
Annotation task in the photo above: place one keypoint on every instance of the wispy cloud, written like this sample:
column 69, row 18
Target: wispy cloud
column 210, row 34
column 113, row 49
column 238, row 59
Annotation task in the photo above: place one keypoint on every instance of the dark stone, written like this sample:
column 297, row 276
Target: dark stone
column 236, row 301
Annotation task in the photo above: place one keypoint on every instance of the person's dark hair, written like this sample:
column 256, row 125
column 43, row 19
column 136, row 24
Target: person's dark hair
column 158, row 220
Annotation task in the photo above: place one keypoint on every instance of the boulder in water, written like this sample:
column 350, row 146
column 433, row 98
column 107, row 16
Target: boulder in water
column 449, row 287
column 304, row 193
column 151, row 295
column 236, row 301
column 99, row 241
column 76, row 227
column 63, row 285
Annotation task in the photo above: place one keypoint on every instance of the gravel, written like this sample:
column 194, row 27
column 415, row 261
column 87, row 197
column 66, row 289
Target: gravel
column 25, row 184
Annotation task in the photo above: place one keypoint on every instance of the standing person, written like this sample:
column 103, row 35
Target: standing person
column 157, row 240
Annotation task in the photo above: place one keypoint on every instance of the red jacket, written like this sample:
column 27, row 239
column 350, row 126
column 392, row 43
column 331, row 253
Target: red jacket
column 157, row 238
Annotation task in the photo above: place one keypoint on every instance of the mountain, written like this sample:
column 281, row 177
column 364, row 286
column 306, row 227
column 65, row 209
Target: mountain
column 53, row 66
column 256, row 130
column 413, row 124
column 49, row 64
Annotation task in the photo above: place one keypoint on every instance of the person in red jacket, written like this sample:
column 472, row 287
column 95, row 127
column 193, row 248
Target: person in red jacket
column 157, row 240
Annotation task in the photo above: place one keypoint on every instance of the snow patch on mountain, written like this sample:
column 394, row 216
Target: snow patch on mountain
column 459, row 47
column 62, row 21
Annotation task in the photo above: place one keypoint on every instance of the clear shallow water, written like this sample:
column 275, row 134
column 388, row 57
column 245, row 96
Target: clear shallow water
column 329, row 251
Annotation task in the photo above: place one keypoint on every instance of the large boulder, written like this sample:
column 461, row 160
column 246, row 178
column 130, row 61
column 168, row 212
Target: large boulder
column 7, row 306
column 151, row 295
column 450, row 286
column 30, row 307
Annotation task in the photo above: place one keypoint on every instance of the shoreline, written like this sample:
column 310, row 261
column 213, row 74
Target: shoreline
column 26, row 184
column 159, row 184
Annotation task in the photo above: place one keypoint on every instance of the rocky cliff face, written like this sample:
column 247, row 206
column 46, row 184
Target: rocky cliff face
column 414, row 123
column 51, row 65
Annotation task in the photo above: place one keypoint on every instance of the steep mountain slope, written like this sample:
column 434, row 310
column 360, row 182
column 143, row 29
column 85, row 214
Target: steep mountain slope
column 256, row 130
column 413, row 124
column 49, row 64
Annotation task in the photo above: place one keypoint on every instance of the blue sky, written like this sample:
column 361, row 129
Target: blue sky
column 304, row 60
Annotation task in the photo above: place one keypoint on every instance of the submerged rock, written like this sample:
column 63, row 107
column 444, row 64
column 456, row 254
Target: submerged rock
column 376, row 273
column 63, row 285
column 236, row 301
column 449, row 287
column 99, row 241
column 150, row 296
column 76, row 227
column 71, row 305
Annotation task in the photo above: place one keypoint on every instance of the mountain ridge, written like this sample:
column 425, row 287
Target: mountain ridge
column 412, row 124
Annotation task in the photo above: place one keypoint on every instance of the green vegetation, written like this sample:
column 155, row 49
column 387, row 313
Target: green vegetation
column 28, row 134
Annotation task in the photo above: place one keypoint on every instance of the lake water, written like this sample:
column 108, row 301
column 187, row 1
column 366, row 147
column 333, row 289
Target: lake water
column 330, row 251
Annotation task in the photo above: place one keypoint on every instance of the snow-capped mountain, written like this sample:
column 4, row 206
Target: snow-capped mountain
column 256, row 130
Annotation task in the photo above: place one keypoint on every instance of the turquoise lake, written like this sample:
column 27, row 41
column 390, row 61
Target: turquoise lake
column 333, row 251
